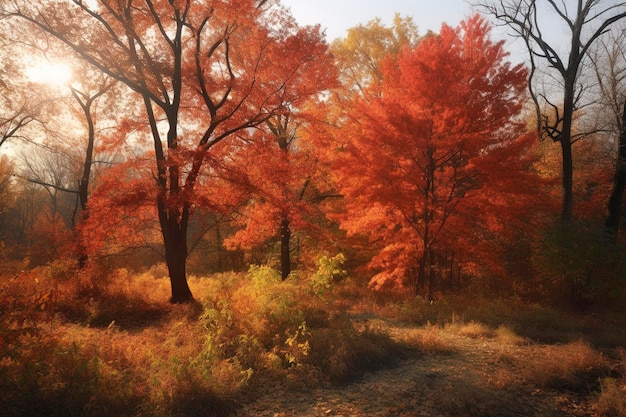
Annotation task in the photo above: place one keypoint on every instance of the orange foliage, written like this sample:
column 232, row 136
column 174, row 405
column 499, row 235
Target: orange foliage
column 203, row 74
column 443, row 146
column 121, row 211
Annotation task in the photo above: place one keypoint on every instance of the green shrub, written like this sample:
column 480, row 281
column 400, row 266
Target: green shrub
column 329, row 270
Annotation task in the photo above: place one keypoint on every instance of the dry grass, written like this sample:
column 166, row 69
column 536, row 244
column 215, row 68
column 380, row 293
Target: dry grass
column 103, row 345
column 473, row 330
column 508, row 337
column 612, row 399
column 573, row 365
column 427, row 339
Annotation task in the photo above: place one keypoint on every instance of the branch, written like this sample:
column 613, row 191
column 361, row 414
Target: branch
column 46, row 184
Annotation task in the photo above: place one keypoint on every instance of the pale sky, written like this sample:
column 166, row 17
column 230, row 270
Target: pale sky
column 336, row 16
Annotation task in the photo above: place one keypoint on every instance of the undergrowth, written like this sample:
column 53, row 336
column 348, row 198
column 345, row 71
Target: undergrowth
column 107, row 342
column 102, row 344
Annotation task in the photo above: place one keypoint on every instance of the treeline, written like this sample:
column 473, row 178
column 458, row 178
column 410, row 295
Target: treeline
column 213, row 138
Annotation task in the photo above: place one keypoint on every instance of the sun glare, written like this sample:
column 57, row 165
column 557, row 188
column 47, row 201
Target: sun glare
column 56, row 74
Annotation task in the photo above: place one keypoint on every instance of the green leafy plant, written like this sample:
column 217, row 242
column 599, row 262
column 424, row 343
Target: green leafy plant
column 329, row 270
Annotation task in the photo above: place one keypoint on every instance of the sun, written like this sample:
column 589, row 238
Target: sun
column 52, row 73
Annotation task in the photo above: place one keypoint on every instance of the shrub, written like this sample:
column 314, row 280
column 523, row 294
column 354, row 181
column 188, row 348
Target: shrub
column 329, row 270
column 41, row 375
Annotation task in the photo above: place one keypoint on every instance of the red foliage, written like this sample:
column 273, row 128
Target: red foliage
column 441, row 148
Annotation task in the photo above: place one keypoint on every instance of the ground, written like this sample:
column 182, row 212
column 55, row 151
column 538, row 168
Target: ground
column 460, row 375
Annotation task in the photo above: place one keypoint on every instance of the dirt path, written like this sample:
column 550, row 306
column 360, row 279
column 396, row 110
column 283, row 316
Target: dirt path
column 474, row 377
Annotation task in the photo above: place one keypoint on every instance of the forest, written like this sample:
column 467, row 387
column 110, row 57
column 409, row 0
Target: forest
column 206, row 207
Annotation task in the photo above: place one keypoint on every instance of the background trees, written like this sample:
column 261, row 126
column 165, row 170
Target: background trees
column 608, row 59
column 586, row 21
column 361, row 54
column 17, row 109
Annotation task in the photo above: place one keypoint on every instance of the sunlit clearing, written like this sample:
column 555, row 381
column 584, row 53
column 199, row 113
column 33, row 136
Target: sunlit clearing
column 56, row 74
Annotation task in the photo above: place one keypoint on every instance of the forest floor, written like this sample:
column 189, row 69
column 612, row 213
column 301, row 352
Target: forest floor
column 455, row 373
column 255, row 346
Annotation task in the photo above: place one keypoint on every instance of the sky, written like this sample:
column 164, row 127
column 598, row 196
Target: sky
column 336, row 16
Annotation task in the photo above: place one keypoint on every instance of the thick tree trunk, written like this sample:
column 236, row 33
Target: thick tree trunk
column 176, row 258
column 285, row 258
column 615, row 201
column 175, row 240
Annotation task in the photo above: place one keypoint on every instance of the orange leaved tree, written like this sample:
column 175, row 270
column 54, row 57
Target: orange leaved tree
column 417, row 154
column 203, row 71
column 284, row 184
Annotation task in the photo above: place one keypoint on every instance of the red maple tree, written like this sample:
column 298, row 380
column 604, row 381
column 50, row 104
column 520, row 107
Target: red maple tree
column 447, row 119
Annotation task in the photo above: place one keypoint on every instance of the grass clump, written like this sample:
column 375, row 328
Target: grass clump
column 474, row 330
column 612, row 398
column 428, row 339
column 571, row 366
column 508, row 337
column 343, row 353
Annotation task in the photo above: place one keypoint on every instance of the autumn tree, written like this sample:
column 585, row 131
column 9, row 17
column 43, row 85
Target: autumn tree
column 361, row 53
column 203, row 71
column 284, row 184
column 586, row 21
column 415, row 156
column 359, row 59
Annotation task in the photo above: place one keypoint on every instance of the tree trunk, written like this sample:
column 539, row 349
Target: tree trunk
column 615, row 201
column 419, row 287
column 432, row 271
column 421, row 273
column 568, row 180
column 176, row 258
column 285, row 259
column 175, row 240
column 565, row 139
